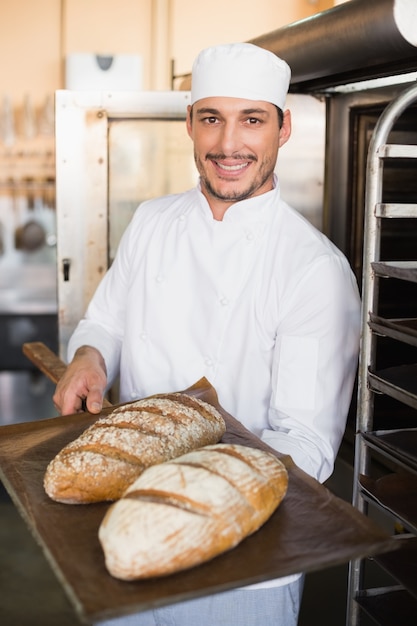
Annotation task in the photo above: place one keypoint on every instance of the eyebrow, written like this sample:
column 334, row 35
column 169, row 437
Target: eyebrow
column 250, row 111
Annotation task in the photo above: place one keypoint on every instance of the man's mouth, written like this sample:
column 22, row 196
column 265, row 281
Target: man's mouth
column 230, row 165
column 232, row 168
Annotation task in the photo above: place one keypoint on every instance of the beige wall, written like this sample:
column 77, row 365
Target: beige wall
column 29, row 47
column 36, row 35
column 107, row 27
column 197, row 24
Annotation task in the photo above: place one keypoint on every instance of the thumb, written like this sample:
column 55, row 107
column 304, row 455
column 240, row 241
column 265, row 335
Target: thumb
column 94, row 400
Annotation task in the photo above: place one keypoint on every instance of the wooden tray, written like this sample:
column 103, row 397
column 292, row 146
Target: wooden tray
column 311, row 530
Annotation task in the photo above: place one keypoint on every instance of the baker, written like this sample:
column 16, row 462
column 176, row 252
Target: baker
column 229, row 282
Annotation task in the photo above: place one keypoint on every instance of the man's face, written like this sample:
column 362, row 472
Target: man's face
column 236, row 145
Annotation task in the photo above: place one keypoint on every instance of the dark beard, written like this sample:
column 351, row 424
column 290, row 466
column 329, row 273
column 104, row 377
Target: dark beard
column 233, row 196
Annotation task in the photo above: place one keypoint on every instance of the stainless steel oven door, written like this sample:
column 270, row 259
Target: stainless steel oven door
column 113, row 150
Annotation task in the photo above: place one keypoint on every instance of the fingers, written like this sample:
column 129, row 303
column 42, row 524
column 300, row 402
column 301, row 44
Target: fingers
column 67, row 407
column 83, row 384
column 72, row 397
column 70, row 403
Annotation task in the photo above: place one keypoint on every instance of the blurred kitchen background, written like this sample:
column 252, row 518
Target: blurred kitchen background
column 149, row 45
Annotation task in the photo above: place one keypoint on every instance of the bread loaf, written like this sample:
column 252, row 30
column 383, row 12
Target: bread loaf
column 107, row 457
column 186, row 511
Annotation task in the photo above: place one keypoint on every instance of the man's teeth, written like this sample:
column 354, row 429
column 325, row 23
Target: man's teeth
column 231, row 168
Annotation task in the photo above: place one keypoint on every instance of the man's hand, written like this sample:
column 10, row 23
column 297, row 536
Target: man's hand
column 83, row 384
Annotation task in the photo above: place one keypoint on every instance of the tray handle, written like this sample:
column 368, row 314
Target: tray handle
column 48, row 362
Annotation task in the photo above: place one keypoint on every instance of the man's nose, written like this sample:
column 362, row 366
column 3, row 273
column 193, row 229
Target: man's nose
column 230, row 138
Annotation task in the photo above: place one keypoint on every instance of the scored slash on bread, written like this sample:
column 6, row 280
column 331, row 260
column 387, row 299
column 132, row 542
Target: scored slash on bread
column 109, row 455
column 188, row 510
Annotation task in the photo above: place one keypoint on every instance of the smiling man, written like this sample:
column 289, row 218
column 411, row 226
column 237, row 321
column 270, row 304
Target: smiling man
column 228, row 282
column 237, row 135
column 236, row 145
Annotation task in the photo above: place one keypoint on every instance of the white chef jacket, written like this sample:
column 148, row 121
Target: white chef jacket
column 261, row 303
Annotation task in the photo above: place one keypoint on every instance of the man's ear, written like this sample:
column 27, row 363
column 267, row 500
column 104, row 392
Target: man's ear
column 189, row 121
column 285, row 130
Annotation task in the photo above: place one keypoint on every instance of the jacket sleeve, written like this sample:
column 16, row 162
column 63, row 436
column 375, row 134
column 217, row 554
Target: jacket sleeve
column 314, row 368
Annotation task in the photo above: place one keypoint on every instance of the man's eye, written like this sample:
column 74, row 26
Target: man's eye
column 210, row 120
column 253, row 120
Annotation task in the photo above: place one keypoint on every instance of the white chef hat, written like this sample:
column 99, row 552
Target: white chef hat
column 240, row 70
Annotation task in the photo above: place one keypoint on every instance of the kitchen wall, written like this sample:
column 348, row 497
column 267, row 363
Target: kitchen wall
column 37, row 35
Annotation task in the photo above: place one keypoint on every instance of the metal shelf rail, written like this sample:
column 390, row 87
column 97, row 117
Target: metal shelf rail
column 374, row 270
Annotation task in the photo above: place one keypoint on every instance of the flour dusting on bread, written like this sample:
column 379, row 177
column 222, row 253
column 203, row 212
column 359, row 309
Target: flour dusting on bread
column 109, row 455
column 188, row 510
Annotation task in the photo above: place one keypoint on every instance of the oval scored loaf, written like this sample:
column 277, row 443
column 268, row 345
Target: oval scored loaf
column 186, row 511
column 109, row 455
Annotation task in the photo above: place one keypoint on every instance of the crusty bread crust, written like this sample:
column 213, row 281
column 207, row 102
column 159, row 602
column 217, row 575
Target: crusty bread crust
column 107, row 457
column 186, row 511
